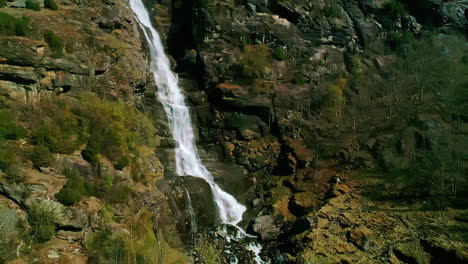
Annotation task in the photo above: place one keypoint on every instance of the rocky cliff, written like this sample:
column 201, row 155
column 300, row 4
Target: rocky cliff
column 340, row 124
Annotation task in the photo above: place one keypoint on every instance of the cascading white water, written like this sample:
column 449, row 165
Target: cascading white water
column 193, row 221
column 187, row 159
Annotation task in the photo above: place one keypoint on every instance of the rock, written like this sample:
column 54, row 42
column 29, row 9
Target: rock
column 360, row 237
column 8, row 219
column 69, row 236
column 412, row 252
column 266, row 227
column 298, row 226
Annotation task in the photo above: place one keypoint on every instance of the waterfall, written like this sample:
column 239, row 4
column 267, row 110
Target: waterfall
column 187, row 159
column 193, row 220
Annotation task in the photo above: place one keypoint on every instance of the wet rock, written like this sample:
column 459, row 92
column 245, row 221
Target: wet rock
column 266, row 227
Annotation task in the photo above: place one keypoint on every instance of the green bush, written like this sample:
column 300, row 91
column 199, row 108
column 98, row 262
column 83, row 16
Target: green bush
column 2, row 3
column 9, row 129
column 113, row 130
column 11, row 26
column 42, row 223
column 33, row 5
column 279, row 53
column 51, row 4
column 10, row 164
column 395, row 9
column 119, row 194
column 116, row 130
column 75, row 189
column 104, row 248
column 55, row 43
column 254, row 62
column 40, row 156
column 332, row 10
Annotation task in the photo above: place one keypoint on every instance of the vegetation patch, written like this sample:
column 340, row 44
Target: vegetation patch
column 55, row 43
column 51, row 4
column 42, row 223
column 12, row 26
column 33, row 5
column 108, row 129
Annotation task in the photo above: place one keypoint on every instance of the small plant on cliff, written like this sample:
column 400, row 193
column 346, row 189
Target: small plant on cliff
column 11, row 26
column 9, row 129
column 33, row 5
column 75, row 189
column 51, row 4
column 337, row 97
column 254, row 62
column 208, row 250
column 55, row 43
column 42, row 223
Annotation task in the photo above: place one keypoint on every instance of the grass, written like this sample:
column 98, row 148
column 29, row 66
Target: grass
column 13, row 26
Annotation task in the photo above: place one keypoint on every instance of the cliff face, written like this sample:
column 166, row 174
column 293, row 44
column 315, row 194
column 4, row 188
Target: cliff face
column 305, row 96
column 341, row 125
column 80, row 124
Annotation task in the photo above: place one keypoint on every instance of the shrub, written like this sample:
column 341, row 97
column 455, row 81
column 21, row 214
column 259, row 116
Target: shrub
column 51, row 4
column 10, row 25
column 10, row 164
column 104, row 248
column 2, row 3
column 33, row 5
column 42, row 223
column 75, row 189
column 332, row 10
column 279, row 53
column 55, row 43
column 119, row 194
column 116, row 130
column 14, row 172
column 40, row 156
column 395, row 9
column 111, row 129
column 208, row 250
column 9, row 129
column 254, row 62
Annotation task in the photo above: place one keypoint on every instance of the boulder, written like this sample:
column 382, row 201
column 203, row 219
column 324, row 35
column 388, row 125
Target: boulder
column 265, row 226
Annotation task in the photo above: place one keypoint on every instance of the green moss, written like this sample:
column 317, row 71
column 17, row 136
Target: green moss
column 11, row 26
column 42, row 223
column 33, row 5
column 51, row 4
